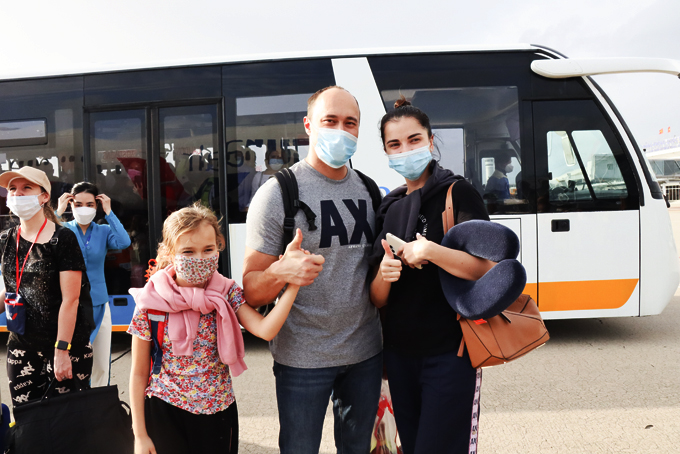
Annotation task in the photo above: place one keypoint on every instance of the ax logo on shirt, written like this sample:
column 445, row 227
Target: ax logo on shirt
column 333, row 225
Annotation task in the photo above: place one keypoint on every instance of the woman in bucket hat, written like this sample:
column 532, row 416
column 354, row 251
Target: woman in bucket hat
column 435, row 393
column 47, row 299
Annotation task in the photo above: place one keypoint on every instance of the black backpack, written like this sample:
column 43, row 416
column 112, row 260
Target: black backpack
column 292, row 202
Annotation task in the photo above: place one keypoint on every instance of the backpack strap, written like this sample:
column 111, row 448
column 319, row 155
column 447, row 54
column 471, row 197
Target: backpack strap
column 290, row 194
column 4, row 236
column 157, row 321
column 55, row 239
column 291, row 204
column 373, row 190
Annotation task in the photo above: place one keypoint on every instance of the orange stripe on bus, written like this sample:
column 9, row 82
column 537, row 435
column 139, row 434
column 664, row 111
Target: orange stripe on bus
column 582, row 295
column 3, row 329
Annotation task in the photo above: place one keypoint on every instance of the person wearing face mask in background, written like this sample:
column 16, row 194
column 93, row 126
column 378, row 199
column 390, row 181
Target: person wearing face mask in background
column 46, row 294
column 498, row 184
column 434, row 392
column 95, row 240
column 330, row 345
column 274, row 162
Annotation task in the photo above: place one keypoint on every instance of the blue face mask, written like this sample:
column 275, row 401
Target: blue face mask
column 275, row 164
column 411, row 164
column 335, row 147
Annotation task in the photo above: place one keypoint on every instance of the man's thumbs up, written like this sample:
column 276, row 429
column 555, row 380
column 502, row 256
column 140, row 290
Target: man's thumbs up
column 297, row 265
column 296, row 243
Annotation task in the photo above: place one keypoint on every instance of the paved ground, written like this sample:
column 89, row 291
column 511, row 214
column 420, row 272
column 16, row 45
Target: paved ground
column 598, row 386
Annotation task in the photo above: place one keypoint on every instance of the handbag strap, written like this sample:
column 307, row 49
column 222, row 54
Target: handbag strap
column 447, row 216
column 449, row 221
column 53, row 386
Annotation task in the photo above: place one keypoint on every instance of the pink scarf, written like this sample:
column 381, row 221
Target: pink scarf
column 185, row 305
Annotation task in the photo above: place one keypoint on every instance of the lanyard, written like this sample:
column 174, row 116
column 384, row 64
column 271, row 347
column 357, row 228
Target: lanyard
column 87, row 240
column 27, row 254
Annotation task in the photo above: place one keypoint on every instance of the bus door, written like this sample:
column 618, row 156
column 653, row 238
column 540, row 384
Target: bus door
column 152, row 161
column 588, row 214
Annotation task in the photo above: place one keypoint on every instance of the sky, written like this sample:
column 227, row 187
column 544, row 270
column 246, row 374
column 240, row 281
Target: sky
column 47, row 34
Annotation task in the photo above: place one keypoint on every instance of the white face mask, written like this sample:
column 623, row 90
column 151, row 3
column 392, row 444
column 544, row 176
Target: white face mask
column 24, row 206
column 508, row 168
column 84, row 215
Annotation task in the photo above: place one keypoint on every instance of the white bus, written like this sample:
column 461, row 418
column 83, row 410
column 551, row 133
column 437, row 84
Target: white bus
column 595, row 232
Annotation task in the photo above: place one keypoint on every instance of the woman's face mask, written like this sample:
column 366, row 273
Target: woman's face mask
column 195, row 270
column 411, row 164
column 24, row 206
column 84, row 215
column 275, row 163
column 335, row 147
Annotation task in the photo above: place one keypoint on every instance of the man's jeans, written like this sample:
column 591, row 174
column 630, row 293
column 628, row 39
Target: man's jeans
column 302, row 396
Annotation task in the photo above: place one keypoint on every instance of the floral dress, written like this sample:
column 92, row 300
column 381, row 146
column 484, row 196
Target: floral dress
column 200, row 383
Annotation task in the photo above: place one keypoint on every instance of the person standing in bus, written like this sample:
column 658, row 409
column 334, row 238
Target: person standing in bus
column 95, row 241
column 330, row 345
column 187, row 341
column 498, row 186
column 47, row 295
column 433, row 390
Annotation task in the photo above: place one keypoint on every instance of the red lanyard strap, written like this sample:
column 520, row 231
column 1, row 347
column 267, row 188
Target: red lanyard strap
column 27, row 254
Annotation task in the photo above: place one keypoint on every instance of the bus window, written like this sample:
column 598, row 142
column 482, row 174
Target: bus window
column 580, row 164
column 118, row 146
column 601, row 167
column 565, row 174
column 24, row 132
column 264, row 107
column 40, row 126
column 476, row 131
column 189, row 167
column 474, row 107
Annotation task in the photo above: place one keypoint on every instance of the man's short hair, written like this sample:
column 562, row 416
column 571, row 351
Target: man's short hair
column 312, row 99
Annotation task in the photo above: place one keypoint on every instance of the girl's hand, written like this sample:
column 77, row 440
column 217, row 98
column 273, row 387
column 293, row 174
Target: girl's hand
column 62, row 365
column 144, row 445
column 415, row 252
column 63, row 203
column 106, row 203
column 390, row 268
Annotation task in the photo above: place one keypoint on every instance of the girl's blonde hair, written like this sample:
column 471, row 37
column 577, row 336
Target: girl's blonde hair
column 183, row 221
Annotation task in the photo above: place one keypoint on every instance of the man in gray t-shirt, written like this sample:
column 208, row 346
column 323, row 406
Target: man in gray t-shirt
column 330, row 345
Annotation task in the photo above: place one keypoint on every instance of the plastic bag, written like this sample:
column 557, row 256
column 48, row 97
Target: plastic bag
column 385, row 439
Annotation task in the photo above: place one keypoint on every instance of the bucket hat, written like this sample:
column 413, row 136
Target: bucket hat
column 500, row 286
column 30, row 173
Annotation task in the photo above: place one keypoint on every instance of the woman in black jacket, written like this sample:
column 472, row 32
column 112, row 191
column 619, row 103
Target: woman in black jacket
column 435, row 393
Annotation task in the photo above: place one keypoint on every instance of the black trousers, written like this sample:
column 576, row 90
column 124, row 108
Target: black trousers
column 435, row 401
column 177, row 431
column 30, row 371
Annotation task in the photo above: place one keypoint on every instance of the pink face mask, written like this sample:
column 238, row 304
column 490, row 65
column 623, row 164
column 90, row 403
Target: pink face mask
column 196, row 270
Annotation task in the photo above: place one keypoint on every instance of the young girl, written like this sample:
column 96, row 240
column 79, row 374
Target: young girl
column 187, row 404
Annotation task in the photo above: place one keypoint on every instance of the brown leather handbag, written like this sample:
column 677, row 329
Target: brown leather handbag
column 513, row 333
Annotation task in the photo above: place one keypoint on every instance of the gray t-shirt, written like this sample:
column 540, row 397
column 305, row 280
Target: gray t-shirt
column 332, row 322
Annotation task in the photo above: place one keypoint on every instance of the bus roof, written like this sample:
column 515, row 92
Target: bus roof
column 71, row 69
